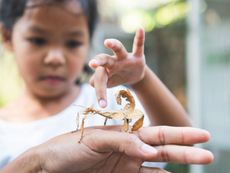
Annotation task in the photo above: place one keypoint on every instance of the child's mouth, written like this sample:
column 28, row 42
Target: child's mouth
column 53, row 80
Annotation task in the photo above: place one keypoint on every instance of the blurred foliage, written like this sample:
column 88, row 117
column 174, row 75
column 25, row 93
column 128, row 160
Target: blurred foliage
column 130, row 15
column 154, row 18
column 10, row 84
column 177, row 168
column 166, row 48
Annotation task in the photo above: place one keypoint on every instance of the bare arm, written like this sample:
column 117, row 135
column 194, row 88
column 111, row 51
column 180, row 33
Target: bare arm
column 159, row 103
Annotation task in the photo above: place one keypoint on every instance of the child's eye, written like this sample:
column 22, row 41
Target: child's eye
column 73, row 44
column 37, row 41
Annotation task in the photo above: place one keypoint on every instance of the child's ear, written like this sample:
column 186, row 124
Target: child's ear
column 6, row 37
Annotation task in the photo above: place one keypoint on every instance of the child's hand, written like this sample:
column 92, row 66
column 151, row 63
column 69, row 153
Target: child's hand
column 121, row 68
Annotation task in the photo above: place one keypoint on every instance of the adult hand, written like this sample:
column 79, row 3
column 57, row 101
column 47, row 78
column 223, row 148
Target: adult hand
column 108, row 150
column 121, row 68
column 112, row 151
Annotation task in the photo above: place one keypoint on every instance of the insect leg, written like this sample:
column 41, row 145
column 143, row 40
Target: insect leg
column 126, row 125
column 105, row 121
column 82, row 129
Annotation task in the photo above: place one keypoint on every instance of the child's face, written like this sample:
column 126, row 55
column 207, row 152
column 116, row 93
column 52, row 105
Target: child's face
column 51, row 44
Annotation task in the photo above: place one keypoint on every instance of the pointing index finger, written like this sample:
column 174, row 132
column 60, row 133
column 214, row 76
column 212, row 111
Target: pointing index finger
column 100, row 85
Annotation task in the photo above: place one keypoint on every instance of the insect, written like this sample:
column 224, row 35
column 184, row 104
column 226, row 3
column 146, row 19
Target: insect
column 127, row 114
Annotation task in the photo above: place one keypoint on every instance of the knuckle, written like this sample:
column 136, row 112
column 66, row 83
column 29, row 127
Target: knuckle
column 118, row 47
column 161, row 135
column 164, row 154
column 100, row 76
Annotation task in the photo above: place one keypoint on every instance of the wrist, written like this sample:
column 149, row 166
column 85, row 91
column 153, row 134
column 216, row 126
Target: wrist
column 28, row 162
column 138, row 85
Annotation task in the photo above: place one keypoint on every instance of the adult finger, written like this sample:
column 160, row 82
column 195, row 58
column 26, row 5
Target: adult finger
column 102, row 60
column 138, row 43
column 162, row 135
column 182, row 154
column 152, row 170
column 100, row 80
column 113, row 141
column 117, row 47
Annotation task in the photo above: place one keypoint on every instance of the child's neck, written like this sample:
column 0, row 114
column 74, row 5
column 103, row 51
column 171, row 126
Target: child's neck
column 30, row 108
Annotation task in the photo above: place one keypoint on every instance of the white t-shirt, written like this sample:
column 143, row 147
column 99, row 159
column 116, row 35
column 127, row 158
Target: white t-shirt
column 15, row 138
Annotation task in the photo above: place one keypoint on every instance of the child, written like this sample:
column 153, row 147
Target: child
column 50, row 40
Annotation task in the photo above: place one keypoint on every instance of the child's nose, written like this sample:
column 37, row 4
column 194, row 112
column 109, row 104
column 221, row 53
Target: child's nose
column 55, row 57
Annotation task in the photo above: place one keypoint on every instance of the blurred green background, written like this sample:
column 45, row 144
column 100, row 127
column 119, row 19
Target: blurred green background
column 187, row 46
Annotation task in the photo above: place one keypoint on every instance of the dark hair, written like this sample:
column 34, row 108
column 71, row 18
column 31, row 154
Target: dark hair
column 12, row 10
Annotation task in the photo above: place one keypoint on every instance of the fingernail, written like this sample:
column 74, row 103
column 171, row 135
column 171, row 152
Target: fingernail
column 103, row 103
column 148, row 149
column 94, row 62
